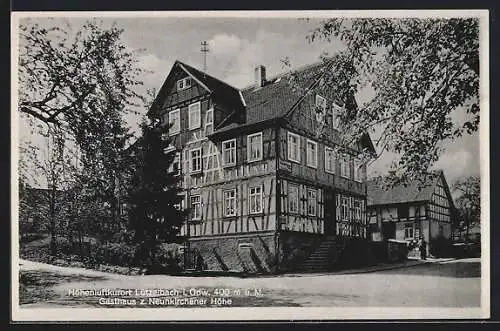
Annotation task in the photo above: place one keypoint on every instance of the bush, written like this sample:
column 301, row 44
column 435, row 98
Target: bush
column 29, row 237
column 118, row 254
column 441, row 247
column 169, row 258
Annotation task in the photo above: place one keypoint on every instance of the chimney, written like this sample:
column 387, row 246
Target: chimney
column 260, row 76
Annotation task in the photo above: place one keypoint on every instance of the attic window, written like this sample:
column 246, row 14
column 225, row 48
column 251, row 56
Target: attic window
column 183, row 84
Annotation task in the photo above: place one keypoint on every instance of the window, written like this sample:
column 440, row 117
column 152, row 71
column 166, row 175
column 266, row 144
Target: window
column 358, row 170
column 230, row 203
column 194, row 115
column 175, row 165
column 229, row 152
column 329, row 160
column 409, row 231
column 357, row 209
column 344, row 212
column 183, row 84
column 196, row 160
column 293, row 199
column 311, row 202
column 344, row 166
column 320, row 108
column 174, row 118
column 196, row 207
column 254, row 147
column 312, row 154
column 293, row 147
column 180, row 204
column 335, row 115
column 255, row 199
column 209, row 121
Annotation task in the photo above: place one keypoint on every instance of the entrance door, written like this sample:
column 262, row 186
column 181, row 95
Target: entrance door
column 389, row 230
column 329, row 212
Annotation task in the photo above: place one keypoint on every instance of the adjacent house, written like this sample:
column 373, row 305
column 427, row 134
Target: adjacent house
column 408, row 211
column 265, row 178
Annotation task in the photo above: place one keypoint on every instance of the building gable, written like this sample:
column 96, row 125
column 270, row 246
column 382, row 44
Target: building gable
column 171, row 95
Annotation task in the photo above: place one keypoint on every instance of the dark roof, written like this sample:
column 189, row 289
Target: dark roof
column 222, row 91
column 272, row 101
column 413, row 191
column 275, row 98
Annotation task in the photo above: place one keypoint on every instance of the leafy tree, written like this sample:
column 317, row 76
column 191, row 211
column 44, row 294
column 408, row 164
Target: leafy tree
column 81, row 86
column 468, row 204
column 46, row 207
column 154, row 197
column 420, row 72
column 64, row 79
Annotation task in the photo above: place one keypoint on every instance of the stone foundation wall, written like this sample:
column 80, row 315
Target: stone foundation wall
column 251, row 253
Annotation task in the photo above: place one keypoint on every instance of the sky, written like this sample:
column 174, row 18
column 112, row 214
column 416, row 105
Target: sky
column 236, row 46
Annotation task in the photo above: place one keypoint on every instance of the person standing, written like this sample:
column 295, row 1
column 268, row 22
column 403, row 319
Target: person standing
column 423, row 249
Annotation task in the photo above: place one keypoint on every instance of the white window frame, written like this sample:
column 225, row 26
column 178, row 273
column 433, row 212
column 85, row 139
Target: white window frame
column 409, row 226
column 191, row 160
column 289, row 148
column 329, row 160
column 172, row 130
column 182, row 83
column 344, row 208
column 258, row 199
column 335, row 120
column 308, row 161
column 249, row 149
column 196, row 207
column 296, row 189
column 345, row 162
column 358, row 216
column 211, row 122
column 191, row 109
column 225, row 200
column 315, row 204
column 225, row 162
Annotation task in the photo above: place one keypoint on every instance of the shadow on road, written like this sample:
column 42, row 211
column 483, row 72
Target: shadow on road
column 456, row 269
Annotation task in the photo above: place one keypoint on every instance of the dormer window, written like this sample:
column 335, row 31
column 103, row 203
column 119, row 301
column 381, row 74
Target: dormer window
column 184, row 83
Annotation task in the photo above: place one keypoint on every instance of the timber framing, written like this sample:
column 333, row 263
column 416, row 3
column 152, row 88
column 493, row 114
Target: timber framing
column 255, row 213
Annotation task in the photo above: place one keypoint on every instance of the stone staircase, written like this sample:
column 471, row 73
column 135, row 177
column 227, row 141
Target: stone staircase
column 324, row 257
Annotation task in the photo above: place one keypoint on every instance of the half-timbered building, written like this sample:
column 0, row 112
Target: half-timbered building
column 265, row 191
column 411, row 210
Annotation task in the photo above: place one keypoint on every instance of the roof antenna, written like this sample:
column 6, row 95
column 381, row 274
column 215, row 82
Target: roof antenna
column 204, row 50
